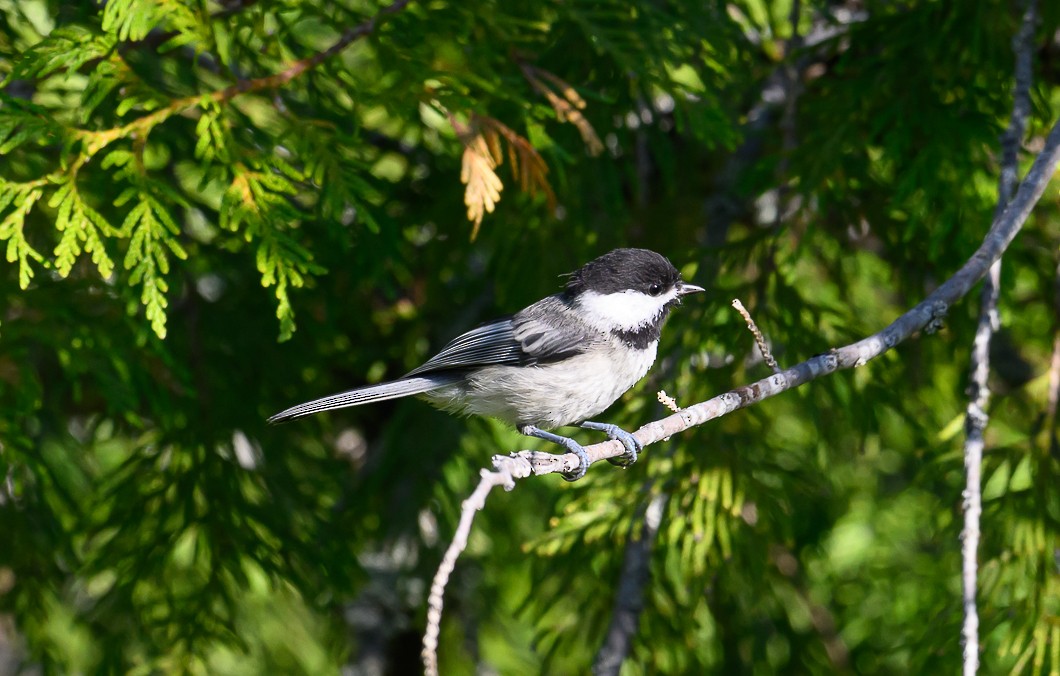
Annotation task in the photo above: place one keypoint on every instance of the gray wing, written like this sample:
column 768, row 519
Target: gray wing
column 492, row 343
column 524, row 339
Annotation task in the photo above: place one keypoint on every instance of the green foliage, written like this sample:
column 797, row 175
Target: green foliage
column 259, row 201
column 182, row 181
column 65, row 50
column 82, row 228
column 20, row 198
column 133, row 20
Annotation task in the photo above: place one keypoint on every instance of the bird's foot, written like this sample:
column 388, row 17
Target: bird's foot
column 571, row 445
column 627, row 439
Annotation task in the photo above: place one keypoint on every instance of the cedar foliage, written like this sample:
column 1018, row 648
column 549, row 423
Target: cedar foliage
column 212, row 210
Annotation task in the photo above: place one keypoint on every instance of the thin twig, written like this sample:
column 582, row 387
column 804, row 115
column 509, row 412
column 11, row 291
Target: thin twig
column 926, row 316
column 506, row 477
column 976, row 418
column 763, row 347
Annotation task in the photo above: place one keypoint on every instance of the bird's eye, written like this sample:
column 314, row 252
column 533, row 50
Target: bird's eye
column 655, row 289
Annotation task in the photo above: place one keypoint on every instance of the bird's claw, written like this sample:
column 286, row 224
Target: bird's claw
column 583, row 463
column 632, row 446
column 571, row 445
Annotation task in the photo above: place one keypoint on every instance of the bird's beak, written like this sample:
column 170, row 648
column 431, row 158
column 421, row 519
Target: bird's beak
column 684, row 288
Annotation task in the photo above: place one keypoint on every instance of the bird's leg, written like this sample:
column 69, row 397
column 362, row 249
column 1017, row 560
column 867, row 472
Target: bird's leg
column 615, row 432
column 571, row 445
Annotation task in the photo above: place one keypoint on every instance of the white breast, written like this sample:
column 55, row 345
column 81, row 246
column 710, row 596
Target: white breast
column 550, row 395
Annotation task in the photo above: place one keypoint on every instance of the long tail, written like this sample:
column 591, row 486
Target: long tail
column 365, row 395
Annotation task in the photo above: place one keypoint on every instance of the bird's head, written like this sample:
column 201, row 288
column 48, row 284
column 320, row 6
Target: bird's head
column 627, row 290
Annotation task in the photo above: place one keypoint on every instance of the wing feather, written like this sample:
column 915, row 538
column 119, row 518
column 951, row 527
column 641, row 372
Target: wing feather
column 528, row 338
column 487, row 345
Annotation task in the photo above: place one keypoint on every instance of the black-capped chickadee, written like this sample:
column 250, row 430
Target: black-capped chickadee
column 558, row 362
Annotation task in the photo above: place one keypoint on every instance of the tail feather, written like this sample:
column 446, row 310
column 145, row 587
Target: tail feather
column 364, row 395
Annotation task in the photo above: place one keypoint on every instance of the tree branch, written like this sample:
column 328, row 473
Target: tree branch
column 927, row 315
column 296, row 68
column 504, row 476
column 976, row 418
column 97, row 140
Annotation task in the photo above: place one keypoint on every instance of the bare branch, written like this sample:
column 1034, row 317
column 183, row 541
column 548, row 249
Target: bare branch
column 927, row 316
column 977, row 417
column 506, row 477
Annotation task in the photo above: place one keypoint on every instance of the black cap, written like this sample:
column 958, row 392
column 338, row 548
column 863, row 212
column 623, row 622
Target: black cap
column 623, row 270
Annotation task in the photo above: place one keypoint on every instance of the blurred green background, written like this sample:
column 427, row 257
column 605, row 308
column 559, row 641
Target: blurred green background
column 192, row 245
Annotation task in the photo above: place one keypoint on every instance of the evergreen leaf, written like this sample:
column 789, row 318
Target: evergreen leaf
column 65, row 49
column 151, row 232
column 82, row 229
column 12, row 228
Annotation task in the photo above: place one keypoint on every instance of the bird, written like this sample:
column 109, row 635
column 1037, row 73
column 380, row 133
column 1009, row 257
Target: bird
column 558, row 362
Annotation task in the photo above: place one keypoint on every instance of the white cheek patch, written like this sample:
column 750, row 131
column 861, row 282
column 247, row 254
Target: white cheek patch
column 627, row 310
